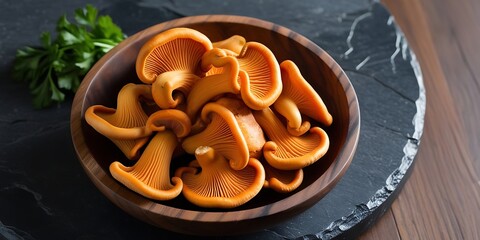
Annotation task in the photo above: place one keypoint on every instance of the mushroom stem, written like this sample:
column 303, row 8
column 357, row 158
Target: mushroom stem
column 288, row 108
column 204, row 154
column 216, row 84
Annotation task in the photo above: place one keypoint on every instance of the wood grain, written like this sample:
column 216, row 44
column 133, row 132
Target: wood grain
column 103, row 82
column 441, row 200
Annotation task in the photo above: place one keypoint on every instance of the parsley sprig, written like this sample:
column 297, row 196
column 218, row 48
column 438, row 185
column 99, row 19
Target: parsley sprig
column 58, row 65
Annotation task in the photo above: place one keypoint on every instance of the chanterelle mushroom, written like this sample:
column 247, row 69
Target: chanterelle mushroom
column 221, row 79
column 173, row 119
column 259, row 76
column 233, row 45
column 282, row 181
column 125, row 125
column 170, row 62
column 222, row 133
column 217, row 185
column 150, row 176
column 252, row 132
column 287, row 152
column 297, row 98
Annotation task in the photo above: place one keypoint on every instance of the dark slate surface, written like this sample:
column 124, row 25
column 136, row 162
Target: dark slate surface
column 44, row 193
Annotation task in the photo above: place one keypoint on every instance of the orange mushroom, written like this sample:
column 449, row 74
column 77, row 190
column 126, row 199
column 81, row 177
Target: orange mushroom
column 304, row 127
column 162, row 120
column 297, row 98
column 222, row 133
column 220, row 80
column 217, row 185
column 171, row 88
column 150, row 176
column 124, row 126
column 282, row 181
column 170, row 61
column 285, row 151
column 233, row 45
column 259, row 76
column 252, row 132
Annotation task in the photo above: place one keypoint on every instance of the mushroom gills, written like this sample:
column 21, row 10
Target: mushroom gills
column 285, row 151
column 222, row 133
column 298, row 97
column 217, row 185
column 150, row 176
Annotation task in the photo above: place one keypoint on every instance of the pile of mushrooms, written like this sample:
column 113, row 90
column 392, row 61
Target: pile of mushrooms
column 245, row 121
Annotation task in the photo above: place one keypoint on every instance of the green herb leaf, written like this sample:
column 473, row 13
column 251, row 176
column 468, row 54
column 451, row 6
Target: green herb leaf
column 86, row 16
column 58, row 65
column 41, row 94
column 46, row 39
column 69, row 81
column 107, row 29
column 85, row 60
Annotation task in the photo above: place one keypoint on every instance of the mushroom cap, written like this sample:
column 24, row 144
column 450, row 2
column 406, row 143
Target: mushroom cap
column 109, row 122
column 125, row 122
column 298, row 96
column 150, row 176
column 176, row 49
column 222, row 133
column 233, row 45
column 128, row 140
column 282, row 181
column 251, row 131
column 124, row 126
column 171, row 119
column 259, row 77
column 217, row 185
column 304, row 127
column 287, row 152
column 171, row 88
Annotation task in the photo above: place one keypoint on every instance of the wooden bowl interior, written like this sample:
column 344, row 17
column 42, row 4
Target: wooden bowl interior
column 118, row 68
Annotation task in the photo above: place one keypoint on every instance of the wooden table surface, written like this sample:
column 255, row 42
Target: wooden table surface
column 441, row 200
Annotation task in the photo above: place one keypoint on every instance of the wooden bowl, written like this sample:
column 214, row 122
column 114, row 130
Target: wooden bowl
column 117, row 68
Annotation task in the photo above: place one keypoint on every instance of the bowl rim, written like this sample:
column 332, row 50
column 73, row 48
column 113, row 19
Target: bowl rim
column 310, row 193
